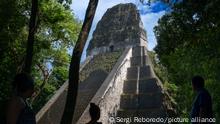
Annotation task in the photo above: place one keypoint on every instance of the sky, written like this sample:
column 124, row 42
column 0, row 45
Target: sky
column 149, row 16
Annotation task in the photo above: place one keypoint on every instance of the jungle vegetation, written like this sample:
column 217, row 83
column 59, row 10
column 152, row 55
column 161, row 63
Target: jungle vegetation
column 188, row 44
column 56, row 32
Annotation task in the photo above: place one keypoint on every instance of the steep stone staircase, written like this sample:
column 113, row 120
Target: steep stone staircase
column 100, row 65
column 142, row 94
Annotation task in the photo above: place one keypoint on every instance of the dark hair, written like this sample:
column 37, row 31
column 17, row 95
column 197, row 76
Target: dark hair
column 198, row 81
column 94, row 111
column 22, row 82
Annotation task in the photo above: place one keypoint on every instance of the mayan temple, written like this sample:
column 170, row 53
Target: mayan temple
column 117, row 75
column 119, row 28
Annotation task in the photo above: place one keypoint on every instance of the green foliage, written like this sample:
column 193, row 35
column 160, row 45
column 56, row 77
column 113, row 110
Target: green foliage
column 45, row 95
column 57, row 31
column 12, row 36
column 188, row 45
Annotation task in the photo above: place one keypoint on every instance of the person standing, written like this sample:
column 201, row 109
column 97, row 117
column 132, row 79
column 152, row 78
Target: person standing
column 18, row 110
column 202, row 105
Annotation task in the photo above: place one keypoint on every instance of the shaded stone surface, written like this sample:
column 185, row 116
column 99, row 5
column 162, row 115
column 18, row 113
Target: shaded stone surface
column 85, row 94
column 93, row 76
column 108, row 95
column 120, row 25
column 142, row 95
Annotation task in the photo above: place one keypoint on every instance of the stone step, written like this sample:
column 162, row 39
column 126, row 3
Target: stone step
column 144, row 51
column 137, row 51
column 146, row 113
column 139, row 60
column 141, row 101
column 146, row 60
column 149, row 86
column 132, row 73
column 145, row 72
column 153, row 100
column 130, row 86
column 144, row 86
column 129, row 101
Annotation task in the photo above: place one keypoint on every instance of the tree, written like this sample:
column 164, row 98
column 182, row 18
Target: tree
column 30, row 42
column 12, row 35
column 75, row 63
column 188, row 45
column 57, row 31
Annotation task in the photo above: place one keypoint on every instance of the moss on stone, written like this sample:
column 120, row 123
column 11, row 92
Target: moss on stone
column 104, row 62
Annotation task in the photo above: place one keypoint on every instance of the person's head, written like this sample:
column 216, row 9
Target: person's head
column 23, row 84
column 94, row 111
column 197, row 83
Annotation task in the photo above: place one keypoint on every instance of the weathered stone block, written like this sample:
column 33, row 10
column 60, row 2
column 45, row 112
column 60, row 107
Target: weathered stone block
column 145, row 72
column 149, row 101
column 148, row 86
column 120, row 25
column 139, row 60
column 124, row 113
column 139, row 113
column 129, row 101
column 130, row 86
column 132, row 73
column 137, row 51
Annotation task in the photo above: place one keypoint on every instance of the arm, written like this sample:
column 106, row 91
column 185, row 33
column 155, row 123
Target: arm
column 13, row 111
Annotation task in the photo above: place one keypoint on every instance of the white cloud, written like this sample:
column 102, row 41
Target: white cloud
column 79, row 8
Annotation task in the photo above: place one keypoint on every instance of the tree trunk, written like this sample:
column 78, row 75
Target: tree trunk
column 30, row 42
column 75, row 64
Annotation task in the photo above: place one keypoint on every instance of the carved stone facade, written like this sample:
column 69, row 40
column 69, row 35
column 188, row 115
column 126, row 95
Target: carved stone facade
column 119, row 28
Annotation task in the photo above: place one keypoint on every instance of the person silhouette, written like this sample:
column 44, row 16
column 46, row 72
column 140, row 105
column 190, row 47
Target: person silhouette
column 18, row 110
column 202, row 105
column 94, row 112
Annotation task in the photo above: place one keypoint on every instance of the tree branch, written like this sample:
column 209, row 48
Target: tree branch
column 46, row 75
